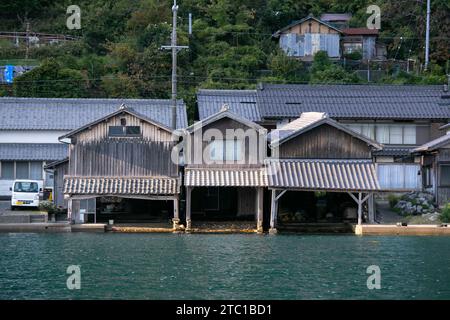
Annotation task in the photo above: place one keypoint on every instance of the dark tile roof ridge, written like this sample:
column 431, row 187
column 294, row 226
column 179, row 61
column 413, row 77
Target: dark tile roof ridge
column 226, row 91
column 21, row 99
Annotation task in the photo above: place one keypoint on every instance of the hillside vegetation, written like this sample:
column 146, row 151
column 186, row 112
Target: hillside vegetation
column 119, row 54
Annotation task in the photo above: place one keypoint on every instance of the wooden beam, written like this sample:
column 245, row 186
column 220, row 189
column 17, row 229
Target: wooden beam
column 69, row 209
column 280, row 194
column 259, row 209
column 188, row 208
column 273, row 212
column 176, row 213
column 359, row 208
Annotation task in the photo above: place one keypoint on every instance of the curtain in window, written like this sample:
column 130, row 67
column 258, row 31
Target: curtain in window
column 382, row 132
column 7, row 170
column 445, row 175
column 22, row 171
column 36, row 170
column 396, row 135
column 409, row 135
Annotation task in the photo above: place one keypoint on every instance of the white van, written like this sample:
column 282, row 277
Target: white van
column 25, row 193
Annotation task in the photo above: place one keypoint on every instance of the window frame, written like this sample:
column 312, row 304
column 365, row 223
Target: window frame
column 14, row 176
column 124, row 132
column 441, row 166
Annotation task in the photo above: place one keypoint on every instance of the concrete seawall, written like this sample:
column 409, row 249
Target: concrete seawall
column 410, row 230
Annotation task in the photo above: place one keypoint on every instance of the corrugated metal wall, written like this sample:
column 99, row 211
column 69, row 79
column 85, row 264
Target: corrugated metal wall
column 296, row 45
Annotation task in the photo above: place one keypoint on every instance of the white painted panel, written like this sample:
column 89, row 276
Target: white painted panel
column 30, row 136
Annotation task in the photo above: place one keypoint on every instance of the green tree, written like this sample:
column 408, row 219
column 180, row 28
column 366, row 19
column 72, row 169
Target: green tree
column 51, row 80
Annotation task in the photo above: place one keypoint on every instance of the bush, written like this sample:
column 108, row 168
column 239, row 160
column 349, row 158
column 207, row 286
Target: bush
column 393, row 200
column 49, row 207
column 445, row 214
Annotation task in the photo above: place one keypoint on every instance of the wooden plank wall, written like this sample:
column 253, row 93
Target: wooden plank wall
column 58, row 195
column 93, row 153
column 325, row 142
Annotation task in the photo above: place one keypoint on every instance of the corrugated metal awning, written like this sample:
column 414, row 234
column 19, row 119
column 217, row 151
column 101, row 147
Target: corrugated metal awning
column 225, row 177
column 332, row 175
column 121, row 186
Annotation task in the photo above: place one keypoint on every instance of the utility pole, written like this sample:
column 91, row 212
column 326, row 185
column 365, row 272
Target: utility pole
column 427, row 36
column 173, row 46
column 27, row 40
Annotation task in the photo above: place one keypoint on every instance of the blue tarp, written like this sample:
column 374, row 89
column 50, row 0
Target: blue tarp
column 9, row 74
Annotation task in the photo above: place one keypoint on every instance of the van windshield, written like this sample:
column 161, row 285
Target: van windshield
column 26, row 187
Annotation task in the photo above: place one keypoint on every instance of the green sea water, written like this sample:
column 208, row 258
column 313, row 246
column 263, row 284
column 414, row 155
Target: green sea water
column 182, row 266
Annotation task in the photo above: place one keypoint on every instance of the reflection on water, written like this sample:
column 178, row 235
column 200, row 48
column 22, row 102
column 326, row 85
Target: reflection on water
column 170, row 266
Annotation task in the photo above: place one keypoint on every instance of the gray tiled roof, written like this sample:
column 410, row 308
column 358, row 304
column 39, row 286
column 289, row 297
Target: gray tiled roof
column 434, row 144
column 354, row 101
column 33, row 151
column 121, row 186
column 337, row 175
column 241, row 102
column 225, row 177
column 393, row 152
column 69, row 114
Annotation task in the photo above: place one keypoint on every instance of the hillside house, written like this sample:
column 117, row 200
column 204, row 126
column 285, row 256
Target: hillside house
column 304, row 38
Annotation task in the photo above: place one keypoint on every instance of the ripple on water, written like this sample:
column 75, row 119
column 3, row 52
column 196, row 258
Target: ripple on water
column 167, row 266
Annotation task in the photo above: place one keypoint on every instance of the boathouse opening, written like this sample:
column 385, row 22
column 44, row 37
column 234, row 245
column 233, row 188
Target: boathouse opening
column 121, row 210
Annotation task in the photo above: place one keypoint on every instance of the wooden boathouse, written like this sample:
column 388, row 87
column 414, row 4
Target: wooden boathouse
column 120, row 168
column 224, row 174
column 315, row 159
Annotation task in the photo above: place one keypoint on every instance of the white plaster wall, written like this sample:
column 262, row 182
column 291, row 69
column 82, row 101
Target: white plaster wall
column 30, row 136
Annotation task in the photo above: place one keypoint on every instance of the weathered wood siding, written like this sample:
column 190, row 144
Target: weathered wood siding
column 325, row 142
column 58, row 191
column 253, row 152
column 93, row 153
column 443, row 191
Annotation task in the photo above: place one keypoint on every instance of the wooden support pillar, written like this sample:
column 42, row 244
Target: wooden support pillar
column 359, row 208
column 188, row 208
column 69, row 209
column 371, row 205
column 273, row 212
column 176, row 213
column 259, row 209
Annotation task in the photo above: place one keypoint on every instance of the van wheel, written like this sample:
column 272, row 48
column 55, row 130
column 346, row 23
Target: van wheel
column 12, row 208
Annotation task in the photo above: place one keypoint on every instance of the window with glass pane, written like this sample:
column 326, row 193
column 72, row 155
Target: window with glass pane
column 382, row 133
column 409, row 134
column 116, row 131
column 22, row 170
column 36, row 170
column 216, row 150
column 7, row 170
column 445, row 175
column 133, row 131
column 396, row 135
column 232, row 150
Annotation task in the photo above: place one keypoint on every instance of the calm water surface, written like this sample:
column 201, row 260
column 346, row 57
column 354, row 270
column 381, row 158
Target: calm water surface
column 170, row 266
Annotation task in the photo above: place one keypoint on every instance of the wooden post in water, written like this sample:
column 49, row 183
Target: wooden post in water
column 176, row 213
column 259, row 209
column 359, row 208
column 273, row 212
column 188, row 208
column 69, row 209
